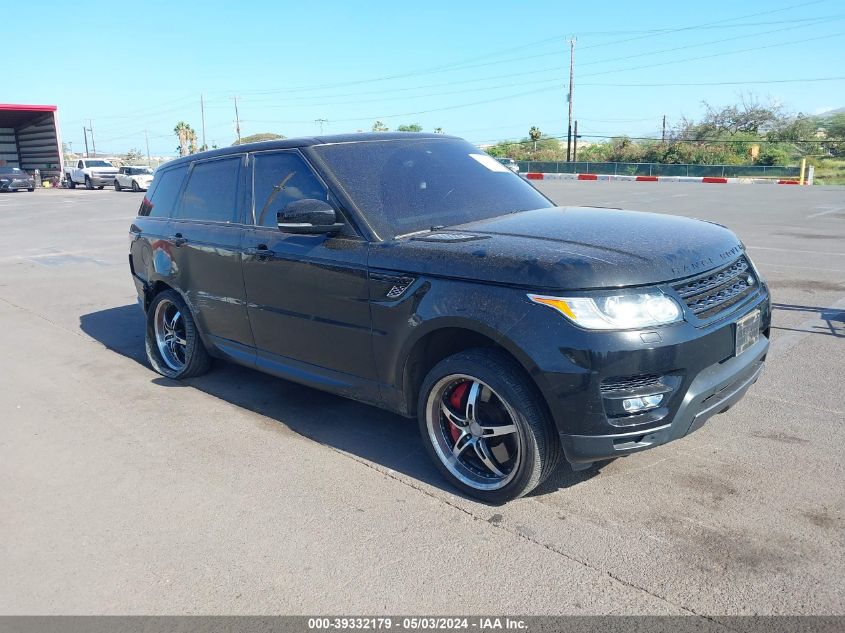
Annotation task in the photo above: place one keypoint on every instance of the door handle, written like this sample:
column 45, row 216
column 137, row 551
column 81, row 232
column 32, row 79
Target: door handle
column 260, row 252
column 178, row 240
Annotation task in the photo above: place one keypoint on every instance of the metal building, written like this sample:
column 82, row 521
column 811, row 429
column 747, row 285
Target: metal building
column 30, row 138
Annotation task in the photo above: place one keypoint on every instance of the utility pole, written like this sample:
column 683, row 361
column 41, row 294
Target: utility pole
column 237, row 120
column 320, row 122
column 147, row 139
column 85, row 133
column 93, row 142
column 575, row 144
column 202, row 110
column 663, row 137
column 571, row 80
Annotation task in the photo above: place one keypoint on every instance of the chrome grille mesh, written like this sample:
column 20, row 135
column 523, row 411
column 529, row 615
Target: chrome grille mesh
column 629, row 383
column 712, row 294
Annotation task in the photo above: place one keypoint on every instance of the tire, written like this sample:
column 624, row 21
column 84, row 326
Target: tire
column 31, row 189
column 101, row 186
column 116, row 185
column 135, row 186
column 193, row 359
column 71, row 184
column 521, row 458
column 88, row 184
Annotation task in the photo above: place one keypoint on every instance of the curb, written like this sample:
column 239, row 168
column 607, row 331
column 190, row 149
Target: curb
column 693, row 179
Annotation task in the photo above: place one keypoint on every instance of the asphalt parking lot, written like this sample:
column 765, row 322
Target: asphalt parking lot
column 126, row 493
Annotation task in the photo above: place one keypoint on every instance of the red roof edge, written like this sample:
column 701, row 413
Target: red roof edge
column 30, row 108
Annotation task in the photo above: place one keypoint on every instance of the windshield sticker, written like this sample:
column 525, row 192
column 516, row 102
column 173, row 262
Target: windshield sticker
column 490, row 163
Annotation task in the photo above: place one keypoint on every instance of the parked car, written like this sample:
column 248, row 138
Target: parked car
column 418, row 274
column 510, row 163
column 91, row 172
column 12, row 179
column 134, row 178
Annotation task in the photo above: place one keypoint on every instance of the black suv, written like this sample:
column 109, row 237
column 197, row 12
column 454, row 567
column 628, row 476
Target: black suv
column 416, row 273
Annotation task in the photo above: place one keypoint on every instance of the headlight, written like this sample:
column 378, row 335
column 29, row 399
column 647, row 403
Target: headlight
column 618, row 312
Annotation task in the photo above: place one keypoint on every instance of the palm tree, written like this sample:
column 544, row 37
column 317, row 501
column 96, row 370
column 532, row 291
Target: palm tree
column 187, row 138
column 535, row 135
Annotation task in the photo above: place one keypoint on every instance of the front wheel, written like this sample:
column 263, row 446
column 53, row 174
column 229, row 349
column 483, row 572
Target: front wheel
column 71, row 184
column 116, row 185
column 135, row 186
column 485, row 426
column 173, row 344
column 31, row 189
column 88, row 184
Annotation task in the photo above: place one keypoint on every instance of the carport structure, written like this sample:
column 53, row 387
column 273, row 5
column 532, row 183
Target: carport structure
column 30, row 139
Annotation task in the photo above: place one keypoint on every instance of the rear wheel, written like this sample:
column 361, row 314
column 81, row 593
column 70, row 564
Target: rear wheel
column 173, row 344
column 116, row 185
column 485, row 426
column 101, row 186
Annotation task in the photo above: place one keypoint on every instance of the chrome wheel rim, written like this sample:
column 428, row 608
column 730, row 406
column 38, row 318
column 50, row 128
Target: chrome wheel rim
column 474, row 432
column 169, row 326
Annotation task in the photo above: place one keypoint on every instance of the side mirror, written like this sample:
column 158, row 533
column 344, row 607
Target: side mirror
column 308, row 216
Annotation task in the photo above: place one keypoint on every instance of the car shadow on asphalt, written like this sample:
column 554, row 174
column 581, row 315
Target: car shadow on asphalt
column 834, row 319
column 362, row 431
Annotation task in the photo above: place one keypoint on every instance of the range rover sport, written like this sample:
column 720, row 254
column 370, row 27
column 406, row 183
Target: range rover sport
column 416, row 273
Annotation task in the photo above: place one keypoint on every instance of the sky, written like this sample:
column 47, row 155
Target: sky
column 485, row 71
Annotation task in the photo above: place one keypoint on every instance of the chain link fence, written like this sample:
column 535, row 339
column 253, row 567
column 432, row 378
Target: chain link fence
column 660, row 169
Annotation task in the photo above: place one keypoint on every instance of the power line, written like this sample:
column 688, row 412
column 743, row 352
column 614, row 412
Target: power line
column 722, row 54
column 717, row 83
column 463, row 65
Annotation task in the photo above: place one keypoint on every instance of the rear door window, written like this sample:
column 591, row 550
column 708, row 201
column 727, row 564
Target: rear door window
column 161, row 199
column 279, row 179
column 212, row 191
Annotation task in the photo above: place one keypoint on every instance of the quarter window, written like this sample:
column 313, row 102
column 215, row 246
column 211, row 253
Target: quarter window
column 161, row 200
column 279, row 179
column 212, row 191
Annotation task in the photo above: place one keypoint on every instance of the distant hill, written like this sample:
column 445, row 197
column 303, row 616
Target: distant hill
column 831, row 113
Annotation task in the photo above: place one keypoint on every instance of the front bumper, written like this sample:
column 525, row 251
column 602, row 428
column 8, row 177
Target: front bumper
column 713, row 391
column 584, row 377
column 99, row 180
column 17, row 183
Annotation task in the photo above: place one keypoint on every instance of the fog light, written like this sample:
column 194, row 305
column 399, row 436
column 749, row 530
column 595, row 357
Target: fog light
column 643, row 403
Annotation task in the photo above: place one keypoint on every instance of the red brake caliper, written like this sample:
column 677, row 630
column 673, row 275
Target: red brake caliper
column 456, row 400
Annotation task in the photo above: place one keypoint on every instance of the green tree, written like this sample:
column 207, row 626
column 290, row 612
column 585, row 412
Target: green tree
column 438, row 130
column 413, row 127
column 133, row 157
column 187, row 138
column 257, row 138
column 378, row 126
column 534, row 134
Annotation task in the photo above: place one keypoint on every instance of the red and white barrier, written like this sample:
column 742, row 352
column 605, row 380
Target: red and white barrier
column 695, row 179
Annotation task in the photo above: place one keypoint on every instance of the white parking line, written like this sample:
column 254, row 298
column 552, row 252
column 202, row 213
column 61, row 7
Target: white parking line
column 792, row 250
column 830, row 210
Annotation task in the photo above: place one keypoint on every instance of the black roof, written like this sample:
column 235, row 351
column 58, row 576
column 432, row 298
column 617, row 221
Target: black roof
column 307, row 141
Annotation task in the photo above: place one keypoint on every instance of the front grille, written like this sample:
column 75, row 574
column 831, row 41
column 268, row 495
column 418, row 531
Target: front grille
column 630, row 383
column 716, row 292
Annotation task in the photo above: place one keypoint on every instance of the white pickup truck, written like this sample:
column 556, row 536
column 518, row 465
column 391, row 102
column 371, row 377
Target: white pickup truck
column 91, row 172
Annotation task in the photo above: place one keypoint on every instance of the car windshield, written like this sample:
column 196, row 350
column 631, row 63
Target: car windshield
column 140, row 171
column 98, row 163
column 408, row 185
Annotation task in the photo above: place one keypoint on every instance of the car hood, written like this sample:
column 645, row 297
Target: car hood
column 565, row 248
